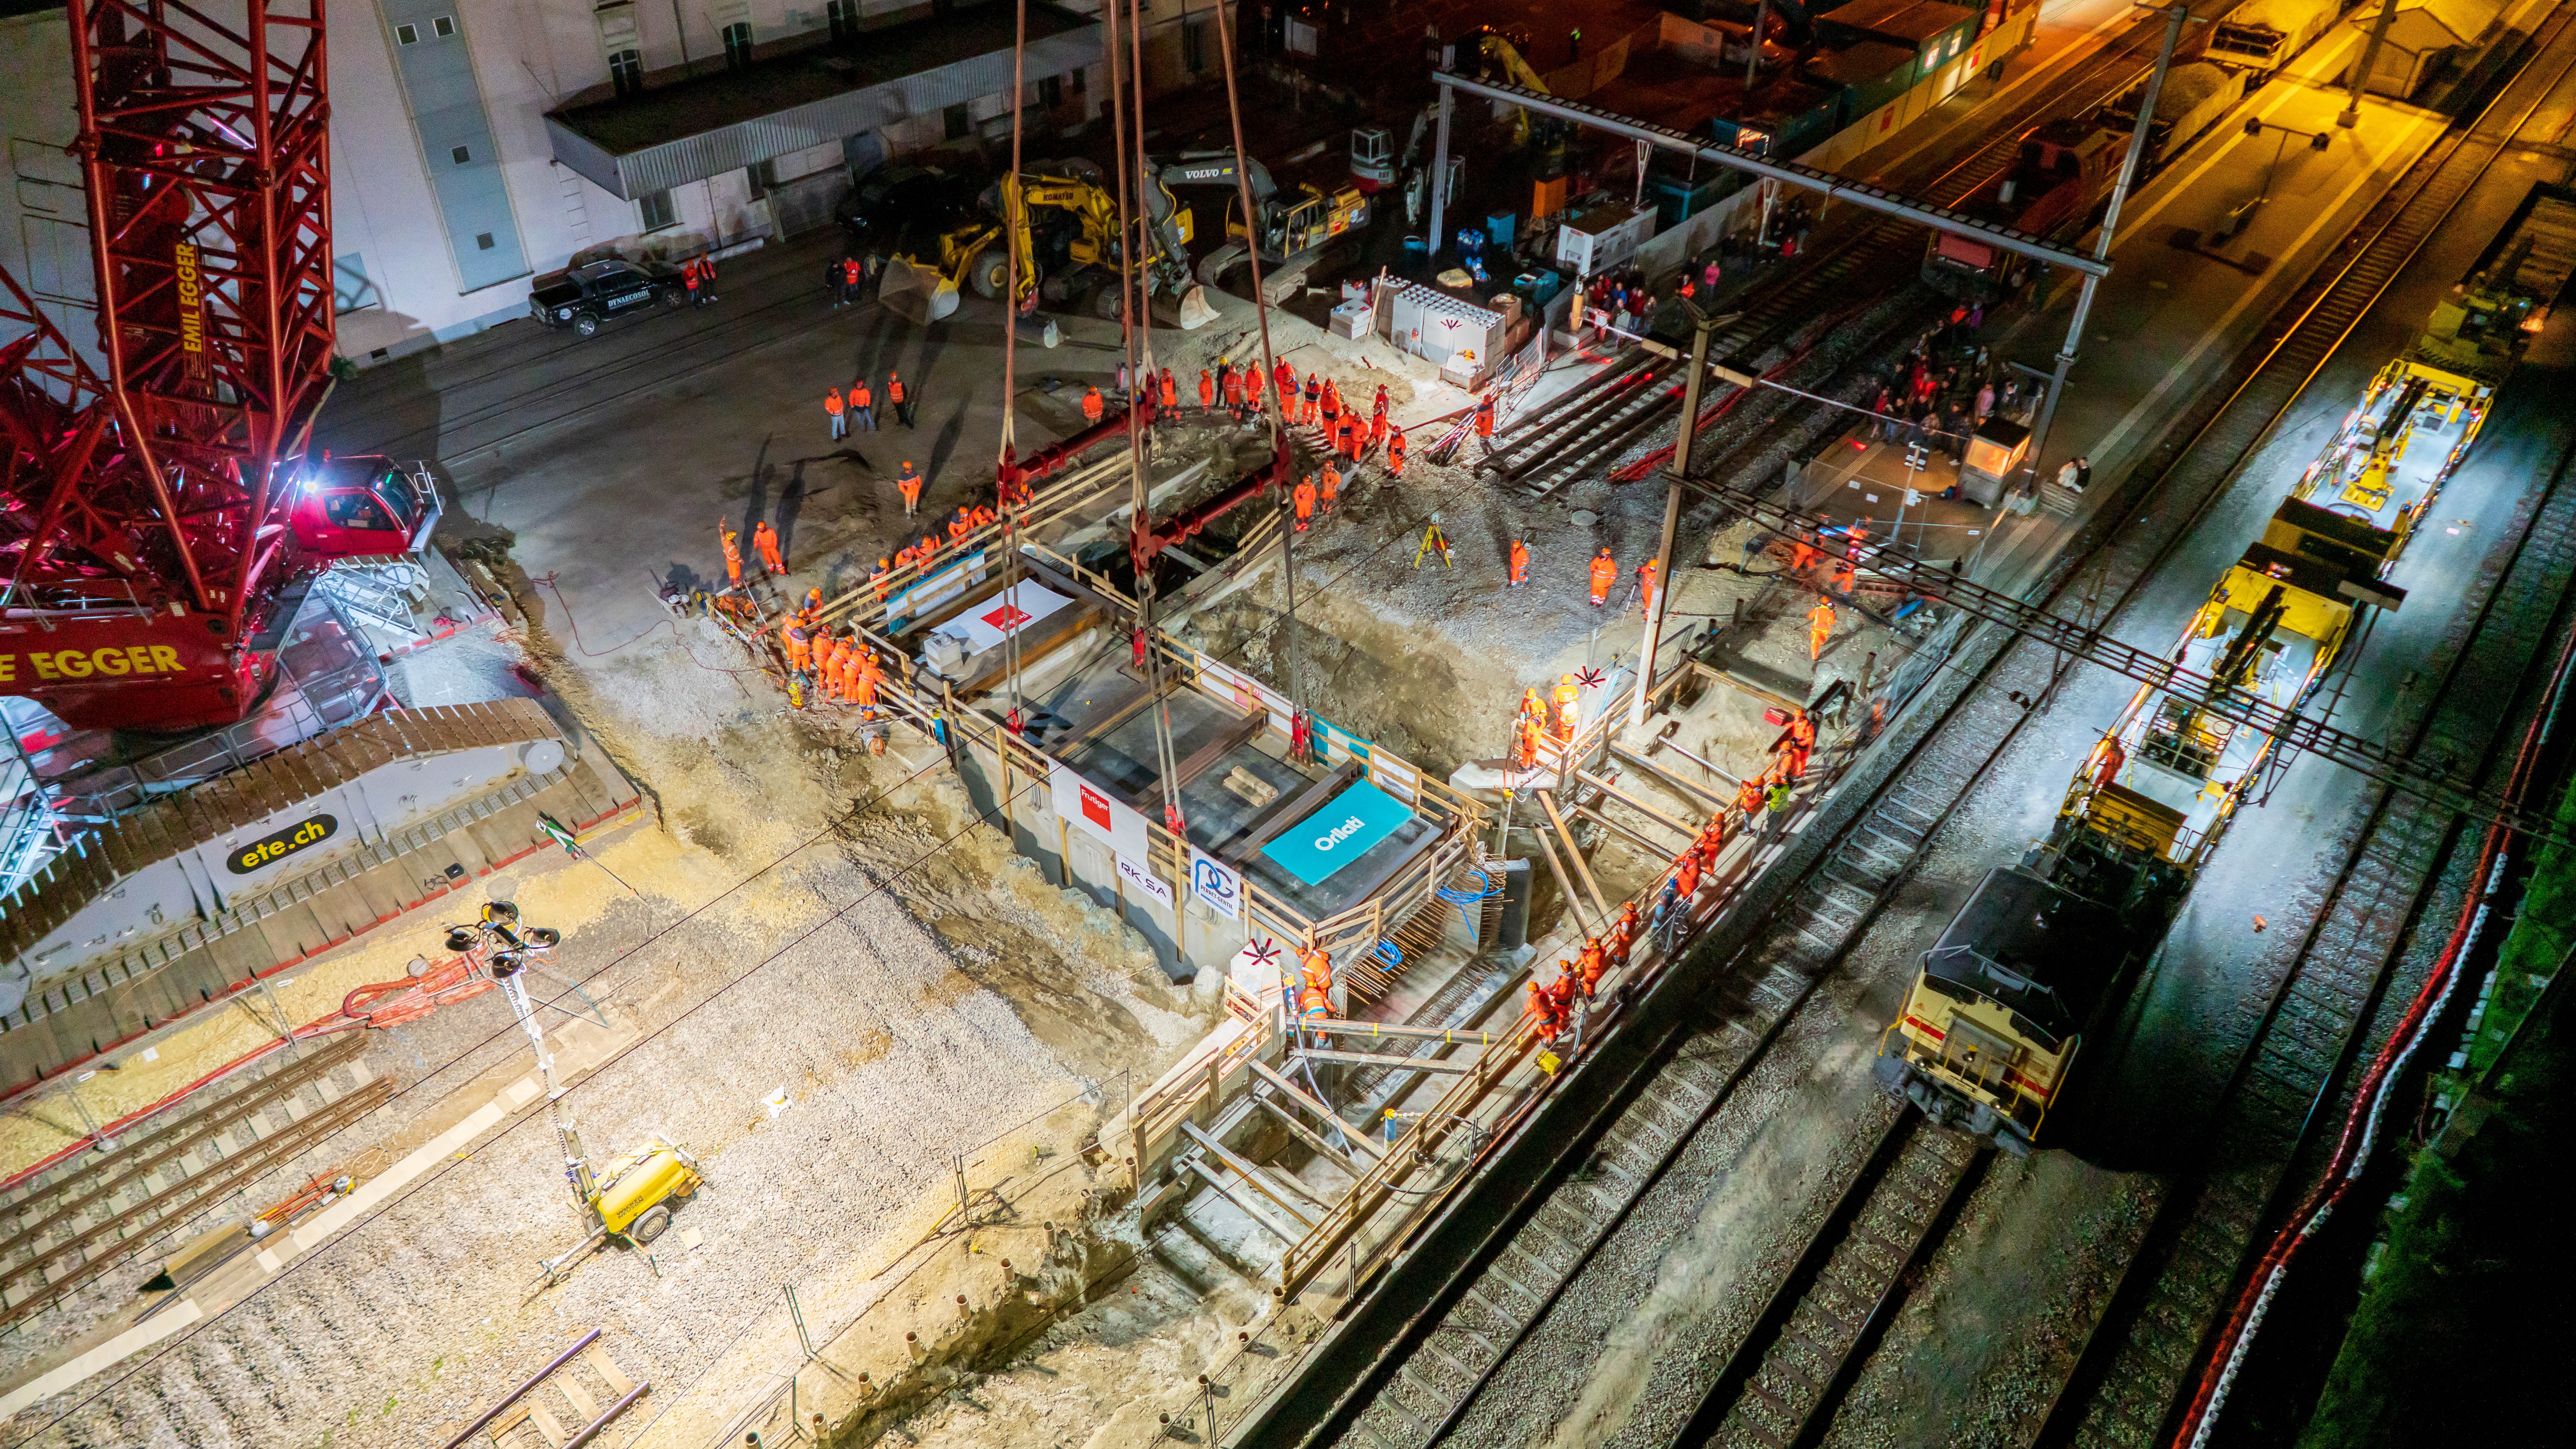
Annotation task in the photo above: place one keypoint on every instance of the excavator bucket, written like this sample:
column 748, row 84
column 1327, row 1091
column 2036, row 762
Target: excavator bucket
column 1195, row 311
column 916, row 293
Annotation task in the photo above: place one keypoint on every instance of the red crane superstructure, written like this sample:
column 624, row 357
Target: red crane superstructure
column 151, row 520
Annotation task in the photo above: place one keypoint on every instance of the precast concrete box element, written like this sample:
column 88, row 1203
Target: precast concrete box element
column 1440, row 329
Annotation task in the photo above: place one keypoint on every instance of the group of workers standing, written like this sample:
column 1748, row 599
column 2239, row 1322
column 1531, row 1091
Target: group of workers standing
column 1761, row 800
column 859, row 408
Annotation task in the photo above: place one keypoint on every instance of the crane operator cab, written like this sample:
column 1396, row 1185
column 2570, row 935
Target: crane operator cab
column 363, row 506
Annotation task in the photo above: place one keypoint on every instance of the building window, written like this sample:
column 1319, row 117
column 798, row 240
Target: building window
column 737, row 44
column 443, row 27
column 461, row 155
column 957, row 122
column 845, row 19
column 1050, row 91
column 1194, row 46
column 655, row 208
column 407, row 34
column 626, row 71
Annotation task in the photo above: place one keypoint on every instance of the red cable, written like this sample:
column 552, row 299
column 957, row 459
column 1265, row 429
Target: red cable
column 2340, row 1173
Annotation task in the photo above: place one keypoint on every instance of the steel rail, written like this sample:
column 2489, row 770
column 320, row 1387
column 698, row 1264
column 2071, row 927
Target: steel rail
column 1375, row 1378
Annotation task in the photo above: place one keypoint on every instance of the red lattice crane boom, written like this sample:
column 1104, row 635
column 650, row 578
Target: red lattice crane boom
column 151, row 518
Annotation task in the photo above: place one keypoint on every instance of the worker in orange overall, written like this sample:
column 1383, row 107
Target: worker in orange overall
column 1748, row 798
column 1569, row 708
column 1525, row 737
column 1485, row 420
column 1346, row 442
column 907, row 481
column 1381, row 400
column 1591, row 963
column 1532, row 706
column 1395, row 453
column 1646, row 575
column 1623, row 936
column 1545, row 1019
column 1686, row 873
column 1234, row 394
column 1793, row 761
column 1207, row 391
column 1560, row 992
column 1377, row 431
column 959, row 527
column 1802, row 730
column 1170, row 392
column 1332, row 401
column 863, row 683
column 1605, row 573
column 1093, row 409
column 863, row 406
column 732, row 553
column 1304, row 499
column 877, row 580
column 1314, row 412
column 799, row 644
column 832, row 409
column 1820, row 627
column 1331, row 489
column 1519, row 574
column 764, row 539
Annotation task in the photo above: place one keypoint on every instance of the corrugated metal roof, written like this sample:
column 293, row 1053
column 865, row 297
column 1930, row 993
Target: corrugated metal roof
column 672, row 135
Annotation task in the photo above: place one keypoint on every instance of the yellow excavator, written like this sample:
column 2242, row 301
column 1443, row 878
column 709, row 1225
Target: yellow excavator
column 1504, row 55
column 1067, row 225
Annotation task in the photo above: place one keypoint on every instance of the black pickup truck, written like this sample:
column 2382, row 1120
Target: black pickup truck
column 593, row 292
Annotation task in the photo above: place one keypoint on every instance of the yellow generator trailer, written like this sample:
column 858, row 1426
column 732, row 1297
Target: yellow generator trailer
column 1997, row 1011
column 634, row 1197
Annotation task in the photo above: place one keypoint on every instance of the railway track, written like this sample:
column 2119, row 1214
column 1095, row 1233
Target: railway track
column 2285, row 1084
column 1630, row 401
column 568, row 1404
column 1423, row 1383
column 2136, row 1361
column 1835, row 1300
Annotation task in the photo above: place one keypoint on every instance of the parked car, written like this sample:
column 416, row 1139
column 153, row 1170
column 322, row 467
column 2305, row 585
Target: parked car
column 593, row 292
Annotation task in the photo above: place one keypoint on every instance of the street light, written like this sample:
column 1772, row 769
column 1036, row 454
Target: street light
column 2254, row 127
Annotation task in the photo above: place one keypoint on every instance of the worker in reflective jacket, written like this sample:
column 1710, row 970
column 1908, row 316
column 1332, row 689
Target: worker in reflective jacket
column 1605, row 573
column 1304, row 499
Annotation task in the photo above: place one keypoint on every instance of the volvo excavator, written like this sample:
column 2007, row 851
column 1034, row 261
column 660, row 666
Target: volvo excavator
column 1288, row 228
column 1067, row 222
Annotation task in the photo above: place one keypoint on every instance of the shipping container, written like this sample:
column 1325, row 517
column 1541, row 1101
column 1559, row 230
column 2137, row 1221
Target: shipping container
column 1868, row 73
column 1782, row 121
column 1937, row 34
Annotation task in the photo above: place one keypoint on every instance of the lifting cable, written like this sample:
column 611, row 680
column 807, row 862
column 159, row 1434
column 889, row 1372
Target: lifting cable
column 1136, row 359
column 1268, row 383
column 1014, row 215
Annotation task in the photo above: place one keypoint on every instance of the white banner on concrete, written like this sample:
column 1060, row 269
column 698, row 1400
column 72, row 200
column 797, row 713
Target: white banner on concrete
column 1004, row 614
column 1217, row 885
column 1142, row 881
column 1089, row 807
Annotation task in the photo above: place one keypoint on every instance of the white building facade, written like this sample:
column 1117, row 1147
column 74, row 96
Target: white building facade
column 477, row 144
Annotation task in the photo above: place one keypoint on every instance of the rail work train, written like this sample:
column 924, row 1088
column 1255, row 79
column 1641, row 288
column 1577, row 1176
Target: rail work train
column 1989, row 1032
